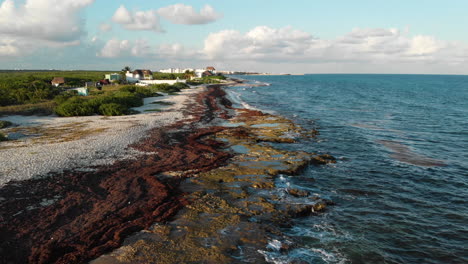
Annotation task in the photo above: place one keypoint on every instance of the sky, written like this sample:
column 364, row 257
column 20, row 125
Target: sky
column 295, row 36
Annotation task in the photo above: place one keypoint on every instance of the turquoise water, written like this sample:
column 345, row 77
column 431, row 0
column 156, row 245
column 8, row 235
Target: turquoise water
column 401, row 181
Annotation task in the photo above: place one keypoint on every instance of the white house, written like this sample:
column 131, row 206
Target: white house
column 172, row 70
column 170, row 82
column 138, row 75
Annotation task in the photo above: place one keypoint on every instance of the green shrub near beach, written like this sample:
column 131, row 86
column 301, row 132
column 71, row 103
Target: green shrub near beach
column 113, row 109
column 75, row 106
column 111, row 103
column 4, row 124
column 3, row 137
column 115, row 103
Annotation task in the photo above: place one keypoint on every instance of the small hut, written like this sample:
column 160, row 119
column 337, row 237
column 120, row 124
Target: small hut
column 58, row 81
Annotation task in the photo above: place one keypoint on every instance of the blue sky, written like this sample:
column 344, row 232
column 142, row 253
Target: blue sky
column 332, row 36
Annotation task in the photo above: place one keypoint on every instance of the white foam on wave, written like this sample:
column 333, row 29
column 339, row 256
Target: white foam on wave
column 235, row 98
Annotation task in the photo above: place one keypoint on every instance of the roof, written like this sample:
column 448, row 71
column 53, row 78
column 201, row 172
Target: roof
column 207, row 73
column 58, row 80
column 210, row 68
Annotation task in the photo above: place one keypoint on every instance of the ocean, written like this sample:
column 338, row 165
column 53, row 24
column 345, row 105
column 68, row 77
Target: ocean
column 401, row 181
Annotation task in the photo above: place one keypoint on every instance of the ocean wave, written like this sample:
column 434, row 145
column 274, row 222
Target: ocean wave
column 236, row 99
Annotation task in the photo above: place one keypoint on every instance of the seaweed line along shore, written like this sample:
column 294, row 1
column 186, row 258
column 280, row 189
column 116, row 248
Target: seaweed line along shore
column 197, row 188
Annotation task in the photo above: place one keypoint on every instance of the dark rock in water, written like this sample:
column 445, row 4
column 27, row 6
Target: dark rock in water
column 298, row 261
column 319, row 206
column 300, row 210
column 298, row 193
column 323, row 159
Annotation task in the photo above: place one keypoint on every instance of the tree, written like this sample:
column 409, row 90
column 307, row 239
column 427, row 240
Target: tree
column 189, row 74
column 123, row 72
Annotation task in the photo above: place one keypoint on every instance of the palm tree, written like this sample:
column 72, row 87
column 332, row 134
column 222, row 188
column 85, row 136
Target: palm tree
column 189, row 74
column 123, row 72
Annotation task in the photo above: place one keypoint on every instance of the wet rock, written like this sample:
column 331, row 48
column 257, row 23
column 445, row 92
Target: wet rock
column 263, row 185
column 319, row 207
column 323, row 159
column 298, row 261
column 298, row 193
column 300, row 210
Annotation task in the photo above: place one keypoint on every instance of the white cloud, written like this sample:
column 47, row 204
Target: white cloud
column 422, row 45
column 139, row 20
column 8, row 48
column 115, row 48
column 141, row 48
column 51, row 20
column 265, row 44
column 187, row 15
column 28, row 25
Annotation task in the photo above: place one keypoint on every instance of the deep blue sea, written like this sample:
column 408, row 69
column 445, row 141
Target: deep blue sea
column 401, row 180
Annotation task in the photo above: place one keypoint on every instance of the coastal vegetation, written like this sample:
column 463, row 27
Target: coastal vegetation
column 112, row 103
column 32, row 93
column 207, row 80
column 28, row 87
column 5, row 124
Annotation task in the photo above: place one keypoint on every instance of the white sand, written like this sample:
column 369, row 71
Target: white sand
column 33, row 154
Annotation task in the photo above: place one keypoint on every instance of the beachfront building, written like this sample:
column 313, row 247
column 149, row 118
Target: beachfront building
column 211, row 69
column 199, row 72
column 176, row 70
column 138, row 75
column 112, row 77
column 207, row 73
column 58, row 81
column 150, row 82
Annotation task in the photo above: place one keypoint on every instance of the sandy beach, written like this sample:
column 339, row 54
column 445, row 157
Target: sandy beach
column 51, row 144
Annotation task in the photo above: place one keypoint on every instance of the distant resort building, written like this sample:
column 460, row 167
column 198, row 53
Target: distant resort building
column 150, row 82
column 58, row 81
column 176, row 70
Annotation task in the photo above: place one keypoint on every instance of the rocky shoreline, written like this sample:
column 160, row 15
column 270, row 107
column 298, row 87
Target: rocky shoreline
column 204, row 192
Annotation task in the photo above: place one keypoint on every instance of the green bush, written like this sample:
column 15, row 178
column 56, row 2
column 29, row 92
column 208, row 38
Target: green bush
column 181, row 86
column 61, row 98
column 113, row 109
column 4, row 124
column 128, row 99
column 128, row 88
column 75, row 106
column 3, row 137
column 96, row 102
column 164, row 88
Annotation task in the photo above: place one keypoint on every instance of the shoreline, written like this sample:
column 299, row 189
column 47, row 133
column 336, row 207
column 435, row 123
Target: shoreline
column 188, row 164
column 49, row 144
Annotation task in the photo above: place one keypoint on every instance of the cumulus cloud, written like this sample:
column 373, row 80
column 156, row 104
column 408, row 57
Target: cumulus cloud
column 138, row 20
column 260, row 42
column 141, row 48
column 51, row 20
column 115, row 48
column 375, row 45
column 187, row 15
column 28, row 25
